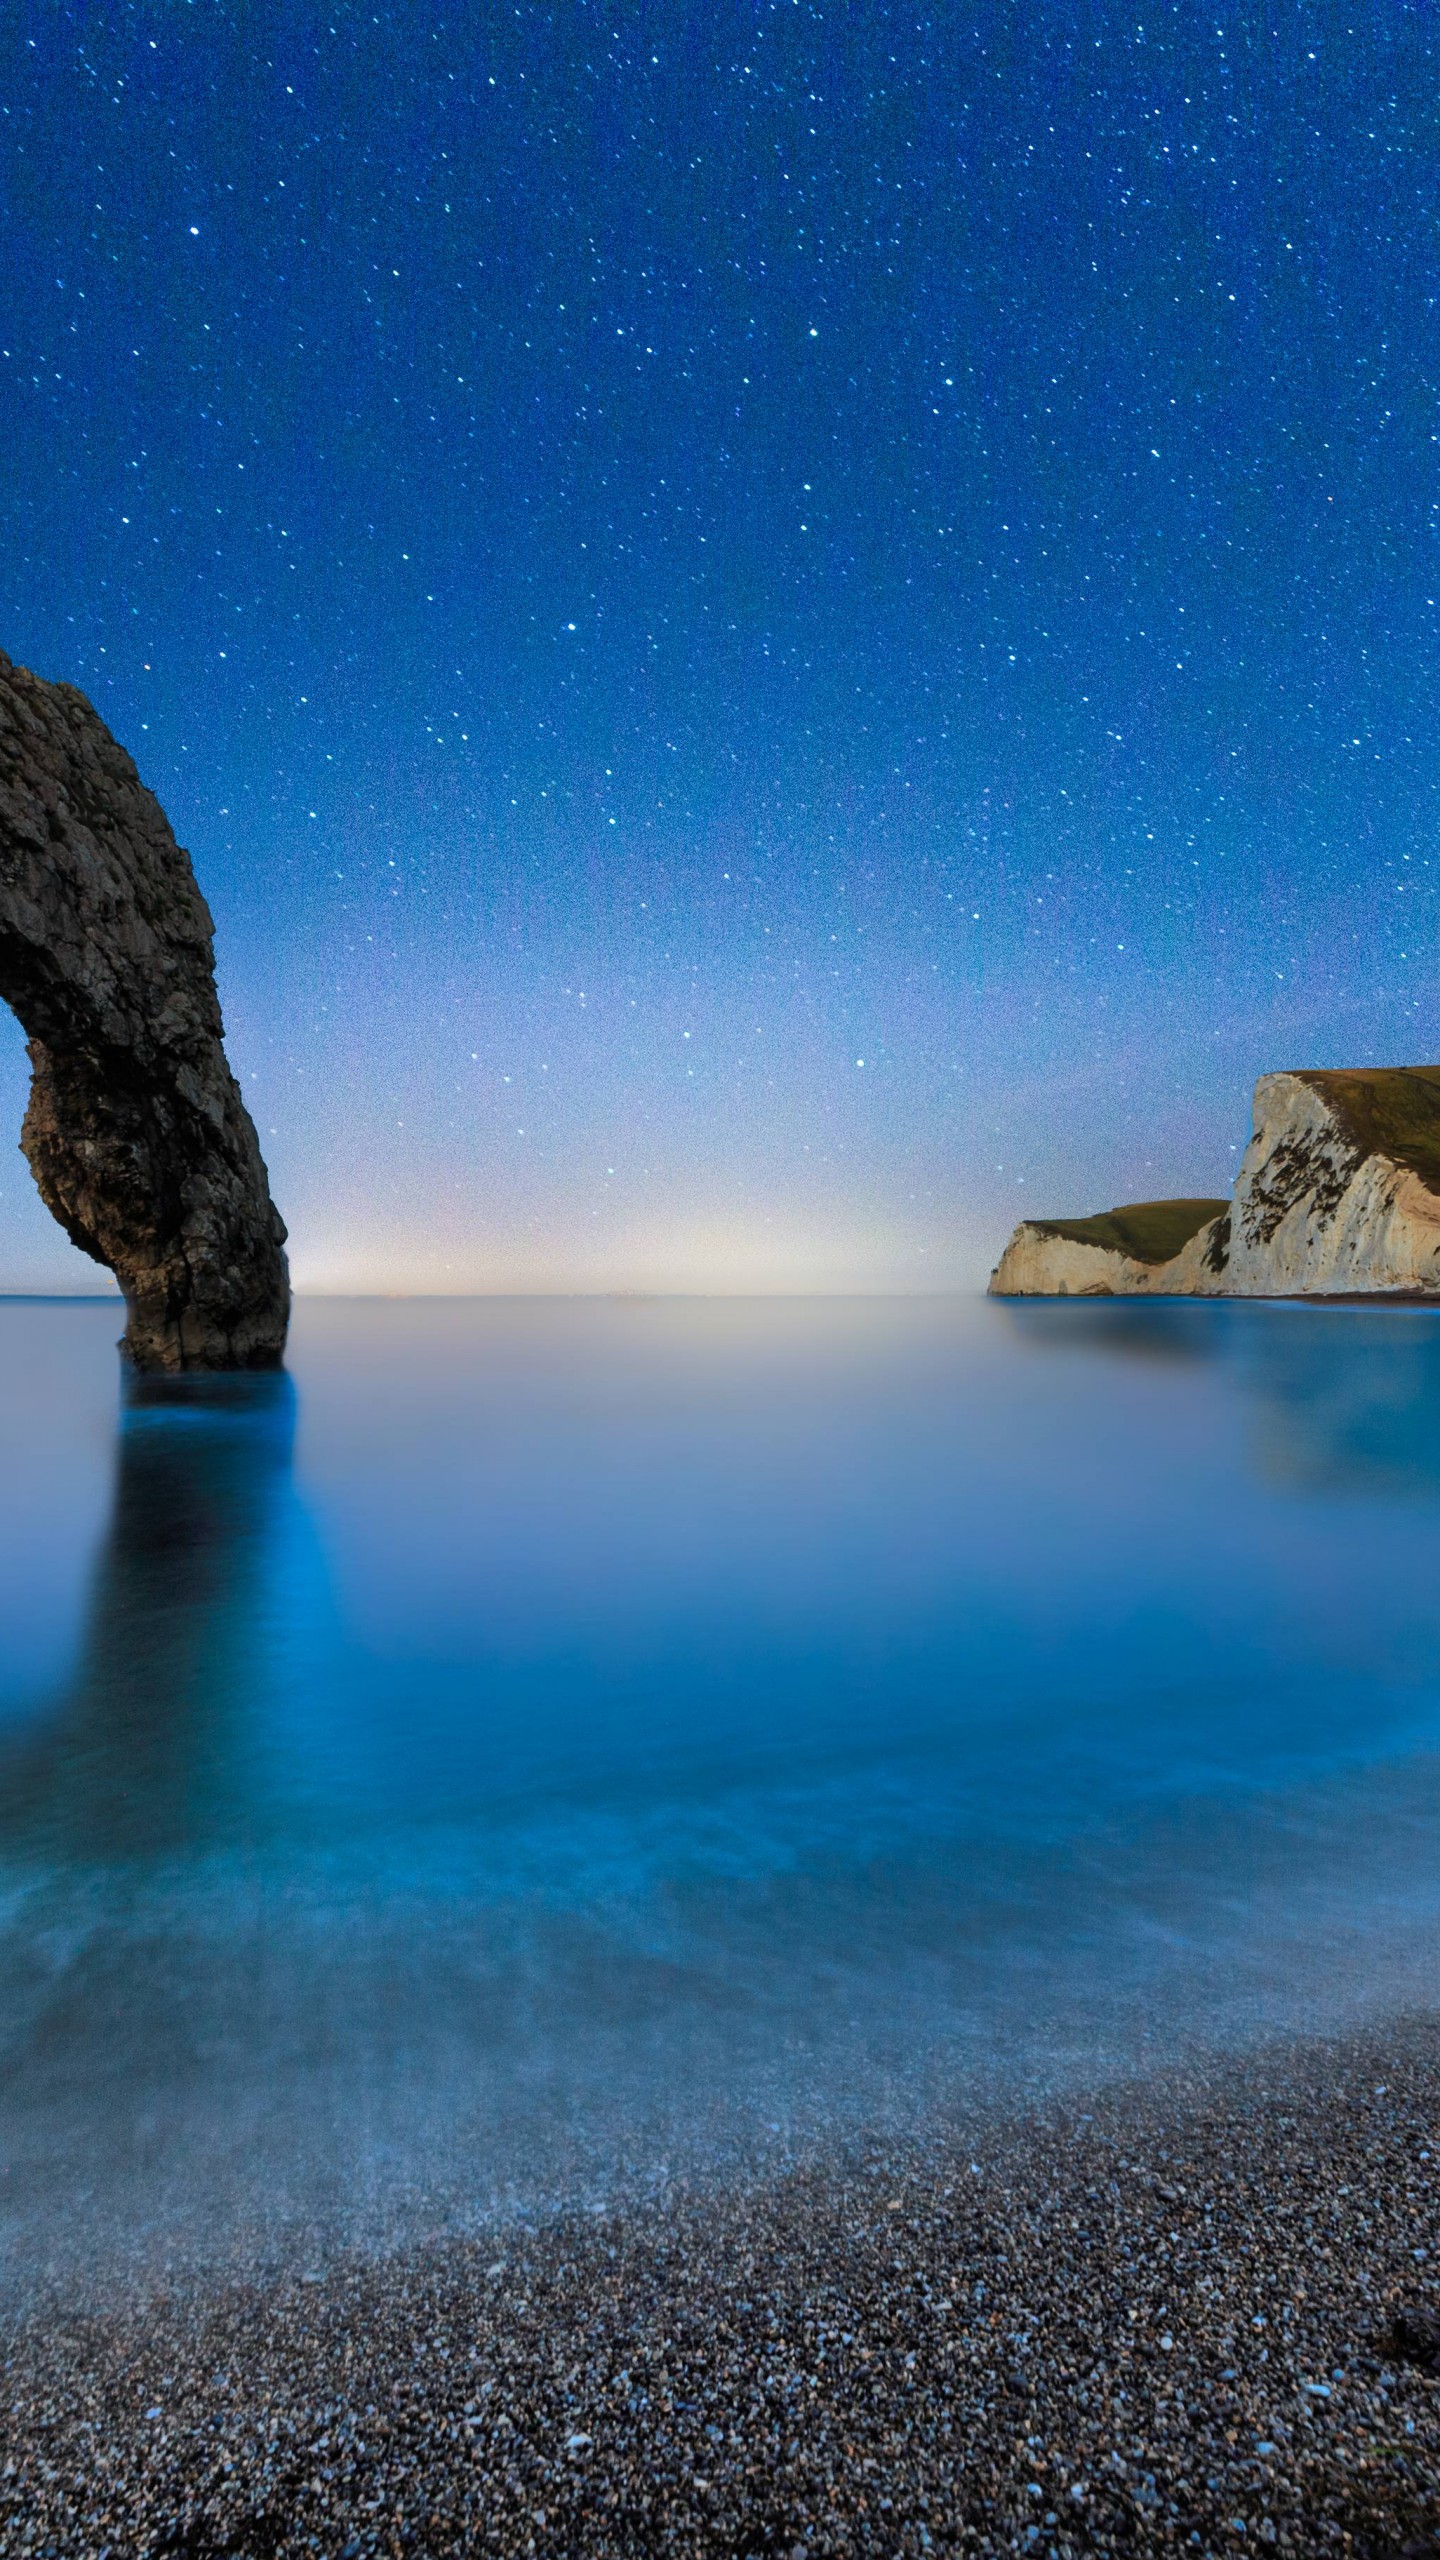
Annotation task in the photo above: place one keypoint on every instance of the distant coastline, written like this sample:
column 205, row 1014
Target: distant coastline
column 1338, row 1196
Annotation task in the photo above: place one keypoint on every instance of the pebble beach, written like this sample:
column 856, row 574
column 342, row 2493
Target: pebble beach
column 1189, row 2315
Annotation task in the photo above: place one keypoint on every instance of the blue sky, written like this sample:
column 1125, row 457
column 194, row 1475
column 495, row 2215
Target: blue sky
column 780, row 634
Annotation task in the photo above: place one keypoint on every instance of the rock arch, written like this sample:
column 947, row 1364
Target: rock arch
column 136, row 1133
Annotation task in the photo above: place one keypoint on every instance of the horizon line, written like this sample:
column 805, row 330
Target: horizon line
column 470, row 1297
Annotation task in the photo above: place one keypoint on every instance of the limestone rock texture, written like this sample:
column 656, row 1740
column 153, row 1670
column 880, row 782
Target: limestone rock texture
column 135, row 1132
column 1339, row 1191
column 1151, row 1248
column 1338, row 1196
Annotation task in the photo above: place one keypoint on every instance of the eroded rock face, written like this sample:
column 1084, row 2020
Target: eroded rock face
column 1142, row 1251
column 136, row 1132
column 1338, row 1196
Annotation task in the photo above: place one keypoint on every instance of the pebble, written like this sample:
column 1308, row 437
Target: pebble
column 1189, row 2319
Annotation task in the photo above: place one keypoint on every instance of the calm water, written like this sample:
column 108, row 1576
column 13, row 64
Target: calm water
column 547, row 1746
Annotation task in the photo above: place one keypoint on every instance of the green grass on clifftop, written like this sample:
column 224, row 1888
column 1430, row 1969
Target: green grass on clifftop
column 1389, row 1111
column 1148, row 1230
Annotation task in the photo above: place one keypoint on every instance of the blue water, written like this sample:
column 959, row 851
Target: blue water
column 538, row 1749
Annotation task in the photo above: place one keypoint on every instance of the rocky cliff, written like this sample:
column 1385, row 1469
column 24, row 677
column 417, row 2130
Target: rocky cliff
column 1150, row 1248
column 135, row 1132
column 1338, row 1196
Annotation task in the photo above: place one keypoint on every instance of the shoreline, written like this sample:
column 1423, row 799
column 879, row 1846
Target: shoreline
column 1158, row 2320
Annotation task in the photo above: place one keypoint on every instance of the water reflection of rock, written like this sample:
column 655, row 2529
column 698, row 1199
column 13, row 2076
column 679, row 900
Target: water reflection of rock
column 1344, row 1398
column 1350, row 1400
column 140, row 1757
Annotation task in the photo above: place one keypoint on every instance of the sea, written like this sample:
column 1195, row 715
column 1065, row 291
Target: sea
column 534, row 1754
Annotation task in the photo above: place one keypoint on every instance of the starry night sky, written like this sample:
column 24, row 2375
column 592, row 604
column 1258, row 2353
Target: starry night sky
column 780, row 633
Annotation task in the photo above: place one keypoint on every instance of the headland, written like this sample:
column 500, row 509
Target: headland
column 1338, row 1196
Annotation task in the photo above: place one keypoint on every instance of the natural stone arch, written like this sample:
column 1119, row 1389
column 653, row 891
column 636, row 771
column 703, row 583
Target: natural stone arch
column 136, row 1132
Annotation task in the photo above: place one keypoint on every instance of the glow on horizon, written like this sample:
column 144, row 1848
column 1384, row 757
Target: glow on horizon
column 709, row 1258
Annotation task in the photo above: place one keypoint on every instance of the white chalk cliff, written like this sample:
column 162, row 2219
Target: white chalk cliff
column 1338, row 1196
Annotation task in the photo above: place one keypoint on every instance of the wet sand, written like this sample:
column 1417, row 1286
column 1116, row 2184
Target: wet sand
column 1160, row 2322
